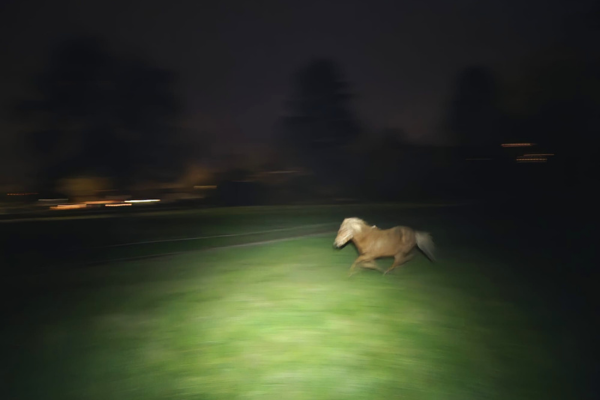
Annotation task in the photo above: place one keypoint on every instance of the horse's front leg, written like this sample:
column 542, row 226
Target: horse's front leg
column 360, row 259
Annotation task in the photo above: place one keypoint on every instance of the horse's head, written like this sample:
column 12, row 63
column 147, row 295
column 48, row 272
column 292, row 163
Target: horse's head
column 349, row 228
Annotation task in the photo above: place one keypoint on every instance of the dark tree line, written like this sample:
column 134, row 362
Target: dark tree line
column 555, row 104
column 99, row 114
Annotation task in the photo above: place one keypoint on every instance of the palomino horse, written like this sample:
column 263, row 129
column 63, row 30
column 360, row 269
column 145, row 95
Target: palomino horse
column 372, row 243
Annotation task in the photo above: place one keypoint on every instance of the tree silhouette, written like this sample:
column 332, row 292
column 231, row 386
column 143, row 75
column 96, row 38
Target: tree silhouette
column 320, row 113
column 98, row 114
column 321, row 125
column 474, row 117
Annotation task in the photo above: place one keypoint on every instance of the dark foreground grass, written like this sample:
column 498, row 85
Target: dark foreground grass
column 39, row 244
column 282, row 321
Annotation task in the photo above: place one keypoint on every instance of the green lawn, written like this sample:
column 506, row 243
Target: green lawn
column 281, row 321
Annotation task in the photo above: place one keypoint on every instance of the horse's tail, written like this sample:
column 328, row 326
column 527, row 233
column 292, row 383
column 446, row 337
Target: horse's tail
column 425, row 243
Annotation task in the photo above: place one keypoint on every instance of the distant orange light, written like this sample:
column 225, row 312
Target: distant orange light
column 517, row 144
column 68, row 206
column 20, row 194
column 117, row 205
column 100, row 202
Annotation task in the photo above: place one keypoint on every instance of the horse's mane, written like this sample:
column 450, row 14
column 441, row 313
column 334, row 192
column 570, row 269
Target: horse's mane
column 355, row 224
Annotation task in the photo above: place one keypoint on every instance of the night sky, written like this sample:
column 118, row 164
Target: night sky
column 235, row 58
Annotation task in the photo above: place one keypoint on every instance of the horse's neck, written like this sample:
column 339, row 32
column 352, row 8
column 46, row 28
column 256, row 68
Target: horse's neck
column 360, row 237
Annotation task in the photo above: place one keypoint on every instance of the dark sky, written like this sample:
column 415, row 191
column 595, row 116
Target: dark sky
column 235, row 58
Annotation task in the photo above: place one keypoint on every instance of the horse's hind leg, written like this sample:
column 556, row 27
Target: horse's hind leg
column 399, row 259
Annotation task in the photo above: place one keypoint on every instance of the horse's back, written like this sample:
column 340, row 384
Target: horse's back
column 389, row 242
column 405, row 236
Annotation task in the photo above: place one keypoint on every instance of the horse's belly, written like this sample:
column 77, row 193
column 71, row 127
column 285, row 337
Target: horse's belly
column 384, row 249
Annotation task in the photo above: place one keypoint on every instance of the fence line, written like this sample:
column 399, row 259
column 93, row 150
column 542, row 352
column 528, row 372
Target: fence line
column 99, row 263
column 215, row 236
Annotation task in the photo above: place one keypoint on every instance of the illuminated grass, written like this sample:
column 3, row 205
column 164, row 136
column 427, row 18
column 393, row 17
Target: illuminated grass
column 278, row 322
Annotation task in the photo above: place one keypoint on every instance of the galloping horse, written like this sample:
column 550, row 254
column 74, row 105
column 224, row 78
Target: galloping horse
column 372, row 243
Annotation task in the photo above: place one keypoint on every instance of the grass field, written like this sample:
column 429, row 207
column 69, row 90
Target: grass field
column 281, row 320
